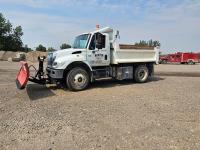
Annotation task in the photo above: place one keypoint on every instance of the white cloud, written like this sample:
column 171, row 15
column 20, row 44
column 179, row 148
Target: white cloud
column 47, row 30
column 175, row 25
column 50, row 3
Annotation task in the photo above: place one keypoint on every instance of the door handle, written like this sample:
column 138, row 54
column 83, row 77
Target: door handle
column 106, row 57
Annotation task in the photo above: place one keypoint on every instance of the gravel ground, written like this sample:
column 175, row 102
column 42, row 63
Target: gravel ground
column 178, row 70
column 111, row 115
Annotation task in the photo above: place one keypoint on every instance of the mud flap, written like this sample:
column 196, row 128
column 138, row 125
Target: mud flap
column 23, row 76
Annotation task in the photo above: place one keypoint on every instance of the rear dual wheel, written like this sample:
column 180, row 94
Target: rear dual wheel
column 77, row 79
column 141, row 74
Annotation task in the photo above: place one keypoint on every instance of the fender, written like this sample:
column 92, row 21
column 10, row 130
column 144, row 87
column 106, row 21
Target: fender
column 83, row 64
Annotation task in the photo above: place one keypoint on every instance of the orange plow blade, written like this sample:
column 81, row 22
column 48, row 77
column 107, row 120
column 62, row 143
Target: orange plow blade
column 23, row 76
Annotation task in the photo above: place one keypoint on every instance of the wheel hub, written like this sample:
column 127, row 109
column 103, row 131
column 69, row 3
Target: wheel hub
column 141, row 74
column 79, row 80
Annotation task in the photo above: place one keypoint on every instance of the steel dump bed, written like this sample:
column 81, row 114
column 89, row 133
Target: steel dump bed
column 132, row 54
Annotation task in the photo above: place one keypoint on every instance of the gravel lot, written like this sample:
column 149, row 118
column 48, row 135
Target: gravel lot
column 161, row 114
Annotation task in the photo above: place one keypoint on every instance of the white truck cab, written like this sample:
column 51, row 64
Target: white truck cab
column 97, row 55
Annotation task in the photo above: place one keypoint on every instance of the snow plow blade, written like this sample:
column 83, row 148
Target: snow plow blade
column 23, row 76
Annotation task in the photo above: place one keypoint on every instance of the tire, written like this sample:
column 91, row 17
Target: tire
column 141, row 74
column 191, row 62
column 164, row 62
column 77, row 79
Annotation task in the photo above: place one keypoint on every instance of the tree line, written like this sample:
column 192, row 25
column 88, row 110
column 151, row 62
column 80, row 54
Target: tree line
column 50, row 49
column 150, row 43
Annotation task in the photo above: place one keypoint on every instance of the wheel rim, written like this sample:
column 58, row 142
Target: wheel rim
column 79, row 80
column 142, row 74
column 190, row 62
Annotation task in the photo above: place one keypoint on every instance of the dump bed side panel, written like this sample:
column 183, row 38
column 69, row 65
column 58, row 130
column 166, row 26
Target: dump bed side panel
column 134, row 55
column 135, row 47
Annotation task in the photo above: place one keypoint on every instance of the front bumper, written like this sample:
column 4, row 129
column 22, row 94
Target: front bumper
column 55, row 73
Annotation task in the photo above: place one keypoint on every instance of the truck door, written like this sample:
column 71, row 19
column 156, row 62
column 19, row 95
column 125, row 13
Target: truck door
column 98, row 53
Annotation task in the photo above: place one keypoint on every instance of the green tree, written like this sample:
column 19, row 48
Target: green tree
column 156, row 43
column 26, row 48
column 150, row 43
column 10, row 39
column 51, row 49
column 65, row 46
column 41, row 48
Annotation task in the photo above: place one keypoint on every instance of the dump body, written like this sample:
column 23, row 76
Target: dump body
column 134, row 54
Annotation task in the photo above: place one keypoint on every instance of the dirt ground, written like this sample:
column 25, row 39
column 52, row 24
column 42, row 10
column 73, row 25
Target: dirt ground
column 161, row 114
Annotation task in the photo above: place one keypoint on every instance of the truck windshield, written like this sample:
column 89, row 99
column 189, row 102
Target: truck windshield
column 81, row 41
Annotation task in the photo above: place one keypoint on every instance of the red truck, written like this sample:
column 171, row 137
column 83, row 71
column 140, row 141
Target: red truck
column 183, row 58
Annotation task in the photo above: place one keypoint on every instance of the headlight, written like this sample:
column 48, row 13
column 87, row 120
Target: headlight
column 55, row 64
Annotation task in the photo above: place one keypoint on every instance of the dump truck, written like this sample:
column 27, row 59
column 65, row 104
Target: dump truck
column 93, row 56
column 180, row 57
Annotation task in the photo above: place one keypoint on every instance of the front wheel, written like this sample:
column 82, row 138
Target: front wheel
column 77, row 79
column 141, row 74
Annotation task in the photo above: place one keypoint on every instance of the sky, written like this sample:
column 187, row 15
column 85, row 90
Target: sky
column 175, row 23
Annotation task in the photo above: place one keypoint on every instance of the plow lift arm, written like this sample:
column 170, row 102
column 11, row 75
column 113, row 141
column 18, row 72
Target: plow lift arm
column 24, row 74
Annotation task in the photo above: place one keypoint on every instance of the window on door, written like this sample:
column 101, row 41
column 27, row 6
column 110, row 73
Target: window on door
column 102, row 41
